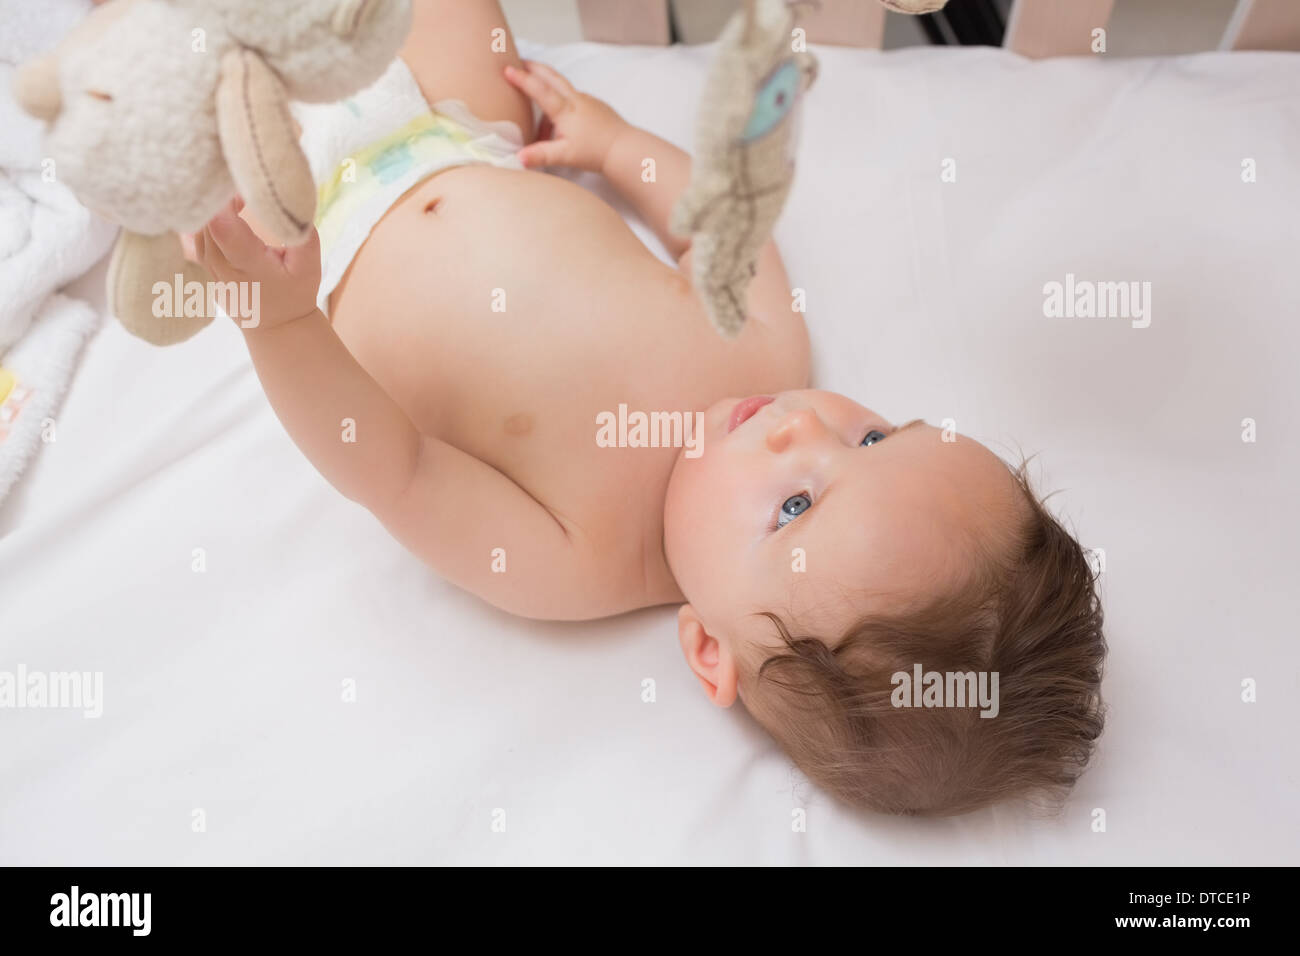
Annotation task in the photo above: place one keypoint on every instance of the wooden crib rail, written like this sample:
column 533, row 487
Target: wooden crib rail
column 1035, row 28
column 859, row 23
column 625, row 21
column 1042, row 28
column 1263, row 25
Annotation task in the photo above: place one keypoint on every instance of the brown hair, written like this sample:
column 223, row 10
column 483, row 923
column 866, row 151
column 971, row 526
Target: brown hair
column 1031, row 614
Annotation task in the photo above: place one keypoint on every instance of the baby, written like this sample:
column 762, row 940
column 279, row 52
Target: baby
column 478, row 319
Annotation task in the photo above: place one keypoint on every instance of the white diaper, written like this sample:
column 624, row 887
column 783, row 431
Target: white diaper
column 367, row 151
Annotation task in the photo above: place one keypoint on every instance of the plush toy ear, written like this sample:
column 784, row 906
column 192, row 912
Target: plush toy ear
column 140, row 267
column 261, row 147
column 351, row 15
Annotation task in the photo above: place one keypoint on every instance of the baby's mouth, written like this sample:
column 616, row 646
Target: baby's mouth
column 745, row 409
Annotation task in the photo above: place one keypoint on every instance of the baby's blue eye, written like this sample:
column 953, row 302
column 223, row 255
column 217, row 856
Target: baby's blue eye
column 873, row 436
column 792, row 508
column 775, row 99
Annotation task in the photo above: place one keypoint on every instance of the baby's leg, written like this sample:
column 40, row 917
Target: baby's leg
column 458, row 49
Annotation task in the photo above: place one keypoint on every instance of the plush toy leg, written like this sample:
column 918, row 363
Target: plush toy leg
column 149, row 289
column 723, row 283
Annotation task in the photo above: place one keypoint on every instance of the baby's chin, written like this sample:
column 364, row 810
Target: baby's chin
column 713, row 430
column 696, row 474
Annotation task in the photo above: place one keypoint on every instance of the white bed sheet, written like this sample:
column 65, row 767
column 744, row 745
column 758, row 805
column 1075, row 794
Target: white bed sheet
column 223, row 689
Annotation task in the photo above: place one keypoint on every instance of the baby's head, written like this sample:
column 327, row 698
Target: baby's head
column 824, row 551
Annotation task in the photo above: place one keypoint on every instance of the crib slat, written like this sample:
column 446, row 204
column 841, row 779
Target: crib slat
column 859, row 23
column 700, row 21
column 1042, row 28
column 1263, row 25
column 627, row 21
column 845, row 23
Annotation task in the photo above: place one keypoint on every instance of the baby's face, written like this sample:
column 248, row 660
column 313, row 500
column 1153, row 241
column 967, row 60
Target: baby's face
column 811, row 506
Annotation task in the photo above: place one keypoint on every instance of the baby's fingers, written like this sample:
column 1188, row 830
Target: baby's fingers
column 536, row 88
column 545, row 152
column 236, row 242
column 210, row 255
column 303, row 260
column 553, row 77
column 190, row 246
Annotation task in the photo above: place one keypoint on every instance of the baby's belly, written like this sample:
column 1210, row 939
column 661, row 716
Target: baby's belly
column 514, row 315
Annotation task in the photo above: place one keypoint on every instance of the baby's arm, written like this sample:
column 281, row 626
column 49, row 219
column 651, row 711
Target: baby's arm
column 624, row 167
column 587, row 134
column 447, row 507
column 654, row 202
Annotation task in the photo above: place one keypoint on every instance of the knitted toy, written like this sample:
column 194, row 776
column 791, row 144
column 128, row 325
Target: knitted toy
column 745, row 137
column 159, row 111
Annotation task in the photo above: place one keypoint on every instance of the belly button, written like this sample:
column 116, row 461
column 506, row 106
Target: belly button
column 519, row 424
column 432, row 204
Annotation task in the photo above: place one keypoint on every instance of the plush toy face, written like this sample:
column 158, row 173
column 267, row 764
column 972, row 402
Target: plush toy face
column 113, row 113
column 130, row 95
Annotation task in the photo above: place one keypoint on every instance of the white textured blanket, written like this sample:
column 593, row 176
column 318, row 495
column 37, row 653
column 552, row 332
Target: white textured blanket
column 47, row 239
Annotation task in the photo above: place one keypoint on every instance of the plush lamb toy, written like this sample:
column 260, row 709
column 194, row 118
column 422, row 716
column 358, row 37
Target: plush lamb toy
column 159, row 111
column 744, row 150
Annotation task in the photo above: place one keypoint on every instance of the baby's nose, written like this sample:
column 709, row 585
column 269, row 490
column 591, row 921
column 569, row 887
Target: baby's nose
column 800, row 425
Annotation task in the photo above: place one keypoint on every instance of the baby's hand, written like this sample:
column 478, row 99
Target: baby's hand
column 282, row 282
column 578, row 129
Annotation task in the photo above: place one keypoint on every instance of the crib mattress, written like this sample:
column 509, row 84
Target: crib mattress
column 284, row 684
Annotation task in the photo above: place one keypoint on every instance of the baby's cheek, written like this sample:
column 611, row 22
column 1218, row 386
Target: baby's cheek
column 677, row 506
column 690, row 518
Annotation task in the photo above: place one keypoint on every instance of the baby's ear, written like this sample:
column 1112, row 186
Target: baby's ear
column 709, row 658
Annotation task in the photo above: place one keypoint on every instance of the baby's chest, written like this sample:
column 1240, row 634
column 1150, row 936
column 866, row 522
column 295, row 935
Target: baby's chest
column 590, row 429
column 588, row 415
column 552, row 346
